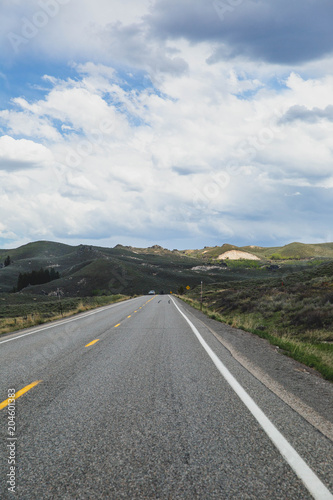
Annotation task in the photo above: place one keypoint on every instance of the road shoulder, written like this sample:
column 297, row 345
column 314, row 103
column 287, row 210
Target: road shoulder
column 302, row 388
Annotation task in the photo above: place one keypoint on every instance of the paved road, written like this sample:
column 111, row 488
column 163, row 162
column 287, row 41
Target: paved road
column 152, row 409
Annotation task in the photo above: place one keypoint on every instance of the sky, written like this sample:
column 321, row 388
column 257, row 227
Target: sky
column 183, row 123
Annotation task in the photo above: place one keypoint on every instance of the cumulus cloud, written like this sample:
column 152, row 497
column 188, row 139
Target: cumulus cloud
column 111, row 33
column 23, row 154
column 135, row 174
column 277, row 32
column 304, row 114
column 139, row 137
column 187, row 169
column 25, row 123
column 132, row 45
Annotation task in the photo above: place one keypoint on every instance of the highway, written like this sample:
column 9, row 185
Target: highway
column 147, row 399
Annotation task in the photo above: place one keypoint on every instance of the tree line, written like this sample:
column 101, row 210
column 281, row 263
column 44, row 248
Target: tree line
column 7, row 261
column 36, row 278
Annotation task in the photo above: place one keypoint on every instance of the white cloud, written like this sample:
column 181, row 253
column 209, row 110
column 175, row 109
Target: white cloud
column 23, row 154
column 25, row 123
column 149, row 138
column 173, row 166
column 110, row 32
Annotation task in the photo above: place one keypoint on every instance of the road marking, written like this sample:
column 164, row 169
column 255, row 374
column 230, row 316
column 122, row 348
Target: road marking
column 129, row 316
column 92, row 343
column 116, row 326
column 19, row 393
column 308, row 413
column 65, row 321
column 317, row 489
column 135, row 311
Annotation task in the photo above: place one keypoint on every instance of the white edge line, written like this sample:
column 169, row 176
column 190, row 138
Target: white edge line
column 317, row 489
column 65, row 321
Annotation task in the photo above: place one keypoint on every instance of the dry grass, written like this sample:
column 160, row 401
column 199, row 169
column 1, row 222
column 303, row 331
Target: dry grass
column 313, row 348
column 11, row 324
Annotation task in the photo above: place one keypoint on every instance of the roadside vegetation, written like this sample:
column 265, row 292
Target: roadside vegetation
column 295, row 312
column 19, row 311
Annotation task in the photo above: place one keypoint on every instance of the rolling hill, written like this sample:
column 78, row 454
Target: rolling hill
column 91, row 270
column 294, row 251
column 86, row 270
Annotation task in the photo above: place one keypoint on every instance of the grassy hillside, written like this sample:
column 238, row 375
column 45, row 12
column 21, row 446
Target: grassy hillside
column 39, row 249
column 298, row 251
column 89, row 270
column 291, row 251
column 210, row 252
column 294, row 310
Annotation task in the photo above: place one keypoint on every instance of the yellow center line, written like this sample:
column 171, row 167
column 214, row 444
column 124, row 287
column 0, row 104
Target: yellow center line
column 19, row 393
column 129, row 316
column 92, row 343
column 135, row 311
column 116, row 326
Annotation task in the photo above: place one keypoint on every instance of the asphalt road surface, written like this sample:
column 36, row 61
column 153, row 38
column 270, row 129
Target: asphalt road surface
column 142, row 399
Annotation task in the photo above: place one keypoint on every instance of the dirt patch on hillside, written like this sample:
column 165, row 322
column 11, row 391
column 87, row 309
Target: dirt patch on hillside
column 237, row 255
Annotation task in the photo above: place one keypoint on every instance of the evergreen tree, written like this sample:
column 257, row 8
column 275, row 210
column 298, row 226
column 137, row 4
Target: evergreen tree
column 36, row 278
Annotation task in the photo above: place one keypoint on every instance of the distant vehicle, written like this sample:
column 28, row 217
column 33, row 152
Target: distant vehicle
column 152, row 292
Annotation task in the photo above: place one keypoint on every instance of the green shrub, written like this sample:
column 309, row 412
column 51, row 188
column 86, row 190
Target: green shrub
column 276, row 256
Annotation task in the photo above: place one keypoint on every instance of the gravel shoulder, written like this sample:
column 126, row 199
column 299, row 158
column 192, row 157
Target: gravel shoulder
column 302, row 388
